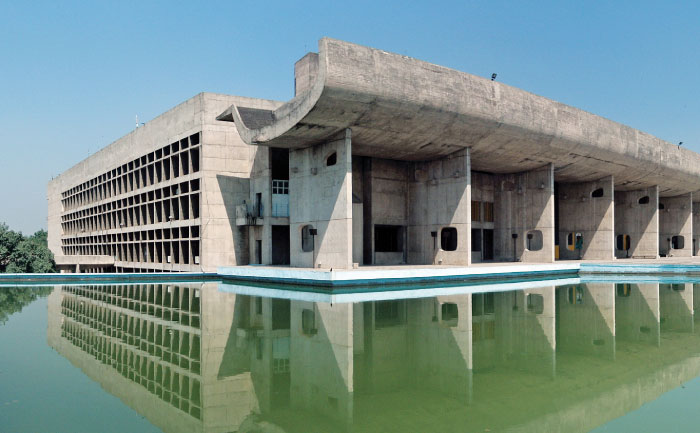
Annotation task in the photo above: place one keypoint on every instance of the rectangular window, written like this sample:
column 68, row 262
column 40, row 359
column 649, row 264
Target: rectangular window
column 476, row 210
column 488, row 212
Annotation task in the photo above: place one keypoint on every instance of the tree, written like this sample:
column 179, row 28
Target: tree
column 8, row 242
column 13, row 299
column 19, row 254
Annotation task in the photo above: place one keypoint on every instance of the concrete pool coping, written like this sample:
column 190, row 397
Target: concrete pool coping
column 387, row 275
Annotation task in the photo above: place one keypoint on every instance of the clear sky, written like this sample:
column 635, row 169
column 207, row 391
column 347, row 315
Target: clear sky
column 73, row 75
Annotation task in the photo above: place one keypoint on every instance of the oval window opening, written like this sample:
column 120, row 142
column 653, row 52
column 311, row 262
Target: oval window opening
column 448, row 239
column 597, row 193
column 677, row 242
column 644, row 200
column 661, row 206
column 534, row 240
column 332, row 159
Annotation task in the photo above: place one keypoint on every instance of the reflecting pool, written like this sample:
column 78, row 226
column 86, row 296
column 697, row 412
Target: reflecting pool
column 537, row 356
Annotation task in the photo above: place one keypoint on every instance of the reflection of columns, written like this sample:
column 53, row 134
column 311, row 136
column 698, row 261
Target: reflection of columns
column 637, row 312
column 676, row 307
column 637, row 216
column 441, row 341
column 525, row 321
column 696, row 228
column 586, row 208
column 676, row 225
column 586, row 320
column 321, row 358
column 524, row 204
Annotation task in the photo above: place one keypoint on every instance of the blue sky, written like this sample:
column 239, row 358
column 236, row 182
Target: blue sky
column 73, row 75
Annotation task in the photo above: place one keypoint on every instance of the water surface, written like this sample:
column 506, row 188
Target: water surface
column 548, row 356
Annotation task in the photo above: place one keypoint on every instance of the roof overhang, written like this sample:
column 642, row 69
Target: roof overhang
column 406, row 109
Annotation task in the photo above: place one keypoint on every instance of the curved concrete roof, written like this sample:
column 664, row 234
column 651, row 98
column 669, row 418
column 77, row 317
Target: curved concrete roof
column 406, row 109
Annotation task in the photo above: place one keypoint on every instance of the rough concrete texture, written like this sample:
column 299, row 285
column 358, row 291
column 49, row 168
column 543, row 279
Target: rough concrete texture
column 696, row 228
column 675, row 219
column 403, row 108
column 580, row 211
column 439, row 198
column 524, row 203
column 638, row 220
column 321, row 196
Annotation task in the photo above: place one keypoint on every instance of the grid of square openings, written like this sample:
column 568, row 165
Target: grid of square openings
column 175, row 202
column 174, row 245
column 148, row 333
column 177, row 159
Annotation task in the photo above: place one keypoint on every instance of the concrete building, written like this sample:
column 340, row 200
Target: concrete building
column 379, row 159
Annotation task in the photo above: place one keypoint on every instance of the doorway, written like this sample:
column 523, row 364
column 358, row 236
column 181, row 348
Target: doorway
column 280, row 245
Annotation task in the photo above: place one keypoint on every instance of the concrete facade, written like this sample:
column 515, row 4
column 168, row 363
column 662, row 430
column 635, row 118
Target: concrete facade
column 379, row 159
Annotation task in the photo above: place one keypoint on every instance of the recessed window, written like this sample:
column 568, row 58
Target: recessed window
column 488, row 211
column 623, row 242
column 448, row 239
column 450, row 313
column 332, row 159
column 308, row 322
column 534, row 240
column 388, row 239
column 535, row 303
column 307, row 239
column 644, row 200
column 597, row 193
column 476, row 210
column 677, row 242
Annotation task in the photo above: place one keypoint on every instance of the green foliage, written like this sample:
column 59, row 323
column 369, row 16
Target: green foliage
column 13, row 299
column 20, row 254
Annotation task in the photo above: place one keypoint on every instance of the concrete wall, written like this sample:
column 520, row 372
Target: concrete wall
column 524, row 202
column 593, row 217
column 675, row 219
column 439, row 197
column 639, row 221
column 321, row 196
column 696, row 228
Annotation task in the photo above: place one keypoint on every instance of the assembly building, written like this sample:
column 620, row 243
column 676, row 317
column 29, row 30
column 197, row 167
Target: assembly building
column 379, row 159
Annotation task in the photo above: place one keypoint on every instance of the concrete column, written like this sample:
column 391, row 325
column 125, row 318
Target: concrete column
column 696, row 228
column 440, row 199
column 320, row 195
column 524, row 204
column 587, row 208
column 637, row 215
column 675, row 221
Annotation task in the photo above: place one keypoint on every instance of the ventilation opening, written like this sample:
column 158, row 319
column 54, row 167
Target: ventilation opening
column 597, row 193
column 448, row 239
column 332, row 159
column 644, row 200
column 534, row 240
column 677, row 242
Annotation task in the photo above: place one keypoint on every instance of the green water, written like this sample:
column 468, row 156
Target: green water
column 211, row 357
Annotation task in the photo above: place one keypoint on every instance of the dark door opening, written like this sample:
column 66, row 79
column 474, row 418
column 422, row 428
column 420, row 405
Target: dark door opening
column 488, row 244
column 280, row 245
column 258, row 252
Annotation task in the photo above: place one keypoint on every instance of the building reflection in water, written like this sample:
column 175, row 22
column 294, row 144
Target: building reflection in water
column 220, row 357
